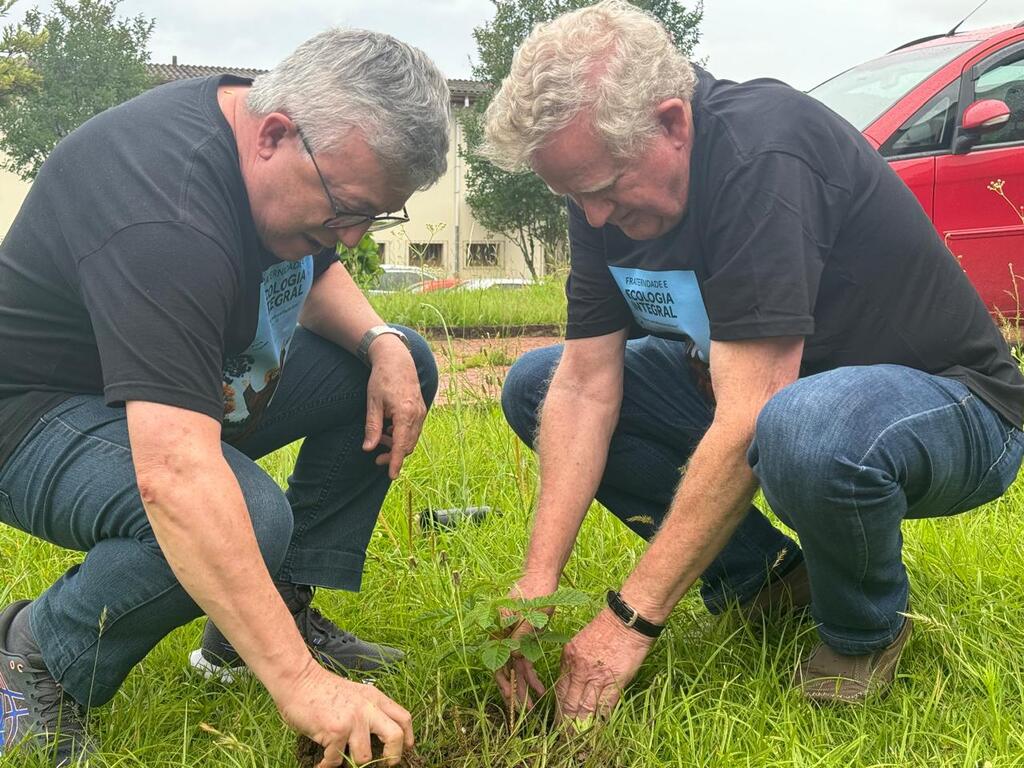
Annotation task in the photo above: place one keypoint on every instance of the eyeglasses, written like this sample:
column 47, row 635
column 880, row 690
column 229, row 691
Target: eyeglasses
column 343, row 219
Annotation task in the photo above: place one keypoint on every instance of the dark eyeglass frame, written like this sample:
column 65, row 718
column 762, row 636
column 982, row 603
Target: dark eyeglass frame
column 343, row 219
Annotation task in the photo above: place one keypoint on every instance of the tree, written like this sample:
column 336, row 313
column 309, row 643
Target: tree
column 17, row 46
column 519, row 205
column 88, row 61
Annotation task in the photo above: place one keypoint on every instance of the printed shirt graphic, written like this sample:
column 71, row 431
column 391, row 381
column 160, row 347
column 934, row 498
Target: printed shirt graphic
column 250, row 379
column 667, row 303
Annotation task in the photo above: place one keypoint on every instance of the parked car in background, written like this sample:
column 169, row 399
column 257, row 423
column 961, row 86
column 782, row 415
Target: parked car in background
column 399, row 277
column 470, row 284
column 947, row 112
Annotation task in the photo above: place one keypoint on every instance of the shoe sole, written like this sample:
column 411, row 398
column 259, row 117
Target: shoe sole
column 211, row 671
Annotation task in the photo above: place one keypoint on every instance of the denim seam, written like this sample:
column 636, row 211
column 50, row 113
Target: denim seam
column 305, row 408
column 87, row 436
column 75, row 656
column 860, row 521
column 315, row 508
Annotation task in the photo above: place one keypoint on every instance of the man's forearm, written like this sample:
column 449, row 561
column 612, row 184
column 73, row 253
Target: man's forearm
column 337, row 309
column 203, row 528
column 572, row 449
column 715, row 494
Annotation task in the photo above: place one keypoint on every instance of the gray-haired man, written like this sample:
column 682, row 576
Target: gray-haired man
column 762, row 249
column 149, row 293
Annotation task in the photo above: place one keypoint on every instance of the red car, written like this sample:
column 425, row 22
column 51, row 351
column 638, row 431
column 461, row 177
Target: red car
column 948, row 113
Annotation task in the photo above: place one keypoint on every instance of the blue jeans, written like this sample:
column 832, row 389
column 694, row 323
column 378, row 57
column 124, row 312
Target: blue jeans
column 72, row 482
column 842, row 458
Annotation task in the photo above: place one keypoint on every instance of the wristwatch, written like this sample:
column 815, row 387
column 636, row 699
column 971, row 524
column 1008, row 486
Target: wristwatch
column 629, row 616
column 363, row 350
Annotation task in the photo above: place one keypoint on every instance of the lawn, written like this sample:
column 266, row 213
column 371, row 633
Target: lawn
column 713, row 693
column 501, row 308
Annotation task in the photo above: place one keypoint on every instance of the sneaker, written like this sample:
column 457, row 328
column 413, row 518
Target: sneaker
column 332, row 646
column 787, row 593
column 36, row 712
column 828, row 677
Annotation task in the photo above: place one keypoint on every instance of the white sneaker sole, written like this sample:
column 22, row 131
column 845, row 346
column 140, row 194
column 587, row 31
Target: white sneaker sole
column 210, row 671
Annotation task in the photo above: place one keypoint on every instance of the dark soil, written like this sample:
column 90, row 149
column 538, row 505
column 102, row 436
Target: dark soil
column 309, row 754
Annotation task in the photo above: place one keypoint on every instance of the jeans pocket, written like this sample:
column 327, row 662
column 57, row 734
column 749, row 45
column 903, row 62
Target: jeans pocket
column 7, row 515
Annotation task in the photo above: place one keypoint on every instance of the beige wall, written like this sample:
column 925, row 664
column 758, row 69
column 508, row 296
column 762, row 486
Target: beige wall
column 441, row 216
column 12, row 192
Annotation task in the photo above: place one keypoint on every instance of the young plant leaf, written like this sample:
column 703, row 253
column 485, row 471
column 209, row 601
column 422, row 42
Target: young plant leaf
column 529, row 646
column 494, row 654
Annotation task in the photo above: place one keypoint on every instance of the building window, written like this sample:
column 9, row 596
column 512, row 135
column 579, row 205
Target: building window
column 484, row 255
column 431, row 254
column 380, row 252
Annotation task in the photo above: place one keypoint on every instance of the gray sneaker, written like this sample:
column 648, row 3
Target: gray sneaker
column 35, row 713
column 332, row 646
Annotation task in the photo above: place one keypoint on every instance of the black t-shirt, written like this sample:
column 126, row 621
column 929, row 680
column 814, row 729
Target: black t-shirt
column 795, row 226
column 134, row 269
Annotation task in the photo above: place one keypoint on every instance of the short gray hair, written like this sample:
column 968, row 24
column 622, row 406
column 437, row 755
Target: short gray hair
column 610, row 59
column 353, row 79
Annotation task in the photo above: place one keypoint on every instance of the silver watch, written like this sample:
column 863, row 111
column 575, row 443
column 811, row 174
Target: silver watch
column 363, row 350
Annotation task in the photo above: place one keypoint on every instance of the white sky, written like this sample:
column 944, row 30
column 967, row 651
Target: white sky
column 800, row 41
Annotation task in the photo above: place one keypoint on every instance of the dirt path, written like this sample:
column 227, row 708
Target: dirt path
column 474, row 369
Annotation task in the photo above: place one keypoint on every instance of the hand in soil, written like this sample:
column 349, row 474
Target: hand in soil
column 518, row 681
column 343, row 716
column 597, row 665
column 310, row 754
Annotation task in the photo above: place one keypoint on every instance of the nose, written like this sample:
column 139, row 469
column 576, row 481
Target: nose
column 350, row 236
column 596, row 210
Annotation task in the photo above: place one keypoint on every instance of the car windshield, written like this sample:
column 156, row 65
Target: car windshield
column 863, row 93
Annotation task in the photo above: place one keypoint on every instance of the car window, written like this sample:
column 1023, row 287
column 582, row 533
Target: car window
column 930, row 129
column 863, row 93
column 399, row 280
column 1006, row 83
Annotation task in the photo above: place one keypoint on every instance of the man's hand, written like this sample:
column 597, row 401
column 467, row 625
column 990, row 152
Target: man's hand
column 597, row 665
column 340, row 715
column 517, row 680
column 393, row 394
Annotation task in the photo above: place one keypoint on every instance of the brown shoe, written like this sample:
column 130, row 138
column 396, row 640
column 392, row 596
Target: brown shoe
column 828, row 677
column 782, row 595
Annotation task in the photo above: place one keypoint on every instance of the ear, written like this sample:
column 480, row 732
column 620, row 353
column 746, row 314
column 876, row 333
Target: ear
column 675, row 118
column 273, row 131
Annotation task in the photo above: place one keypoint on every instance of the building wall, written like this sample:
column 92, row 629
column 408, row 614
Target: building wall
column 440, row 217
column 12, row 192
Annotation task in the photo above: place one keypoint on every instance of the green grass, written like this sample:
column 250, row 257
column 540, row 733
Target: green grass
column 541, row 304
column 713, row 692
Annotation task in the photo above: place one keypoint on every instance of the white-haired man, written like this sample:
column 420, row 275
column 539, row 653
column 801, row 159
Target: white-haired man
column 764, row 250
column 159, row 265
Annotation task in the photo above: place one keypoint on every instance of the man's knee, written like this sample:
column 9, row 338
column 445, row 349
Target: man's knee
column 426, row 365
column 524, row 389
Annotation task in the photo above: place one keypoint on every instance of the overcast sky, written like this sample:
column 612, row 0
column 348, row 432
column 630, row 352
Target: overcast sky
column 800, row 41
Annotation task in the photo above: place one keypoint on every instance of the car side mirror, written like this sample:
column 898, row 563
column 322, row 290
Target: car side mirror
column 979, row 118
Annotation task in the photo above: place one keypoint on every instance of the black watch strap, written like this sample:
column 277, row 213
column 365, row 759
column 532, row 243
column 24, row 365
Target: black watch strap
column 631, row 618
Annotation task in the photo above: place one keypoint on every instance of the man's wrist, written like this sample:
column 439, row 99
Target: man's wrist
column 383, row 343
column 646, row 605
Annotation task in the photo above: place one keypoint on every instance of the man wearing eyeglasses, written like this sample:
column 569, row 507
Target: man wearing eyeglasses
column 150, row 290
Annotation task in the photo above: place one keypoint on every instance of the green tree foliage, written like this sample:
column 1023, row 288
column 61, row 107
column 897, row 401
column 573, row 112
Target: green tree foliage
column 17, row 47
column 89, row 60
column 520, row 206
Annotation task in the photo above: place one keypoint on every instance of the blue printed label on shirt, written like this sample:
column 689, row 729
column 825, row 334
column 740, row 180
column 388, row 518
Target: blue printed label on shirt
column 250, row 379
column 667, row 302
